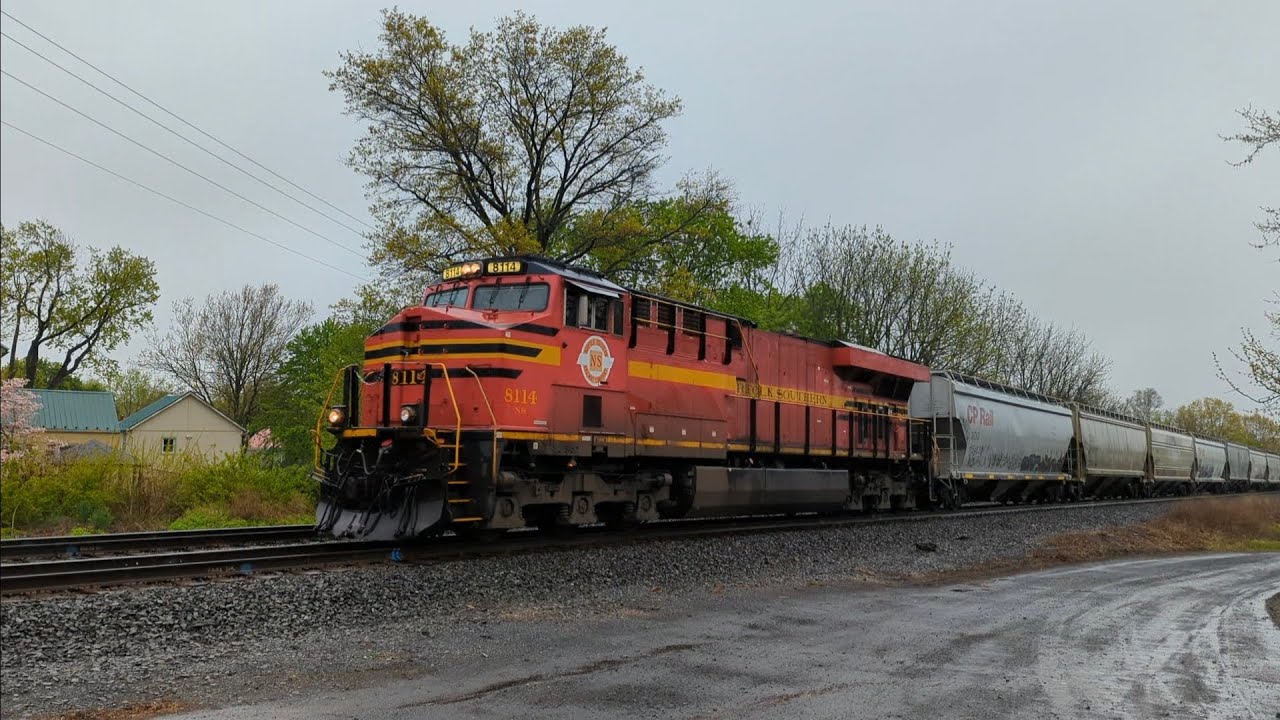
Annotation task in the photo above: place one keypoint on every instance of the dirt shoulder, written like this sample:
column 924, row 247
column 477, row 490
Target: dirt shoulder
column 1248, row 523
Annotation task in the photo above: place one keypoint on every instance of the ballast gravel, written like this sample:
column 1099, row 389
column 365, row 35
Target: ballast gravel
column 264, row 637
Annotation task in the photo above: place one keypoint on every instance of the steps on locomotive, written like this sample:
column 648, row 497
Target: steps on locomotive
column 462, row 506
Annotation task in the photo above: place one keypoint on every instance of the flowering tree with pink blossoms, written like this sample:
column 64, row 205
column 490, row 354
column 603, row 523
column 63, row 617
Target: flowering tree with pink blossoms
column 18, row 408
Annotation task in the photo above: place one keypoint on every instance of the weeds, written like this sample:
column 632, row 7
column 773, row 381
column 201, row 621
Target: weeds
column 1249, row 523
column 114, row 492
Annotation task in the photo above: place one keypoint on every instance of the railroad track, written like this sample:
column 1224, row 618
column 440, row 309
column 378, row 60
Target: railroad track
column 78, row 545
column 71, row 574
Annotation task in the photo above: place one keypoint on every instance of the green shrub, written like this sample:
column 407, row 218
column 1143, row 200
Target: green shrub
column 207, row 516
column 112, row 492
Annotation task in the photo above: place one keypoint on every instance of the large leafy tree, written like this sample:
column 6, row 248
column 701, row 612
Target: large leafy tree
column 690, row 247
column 911, row 300
column 1213, row 417
column 69, row 313
column 46, row 369
column 134, row 389
column 227, row 349
column 302, row 383
column 523, row 139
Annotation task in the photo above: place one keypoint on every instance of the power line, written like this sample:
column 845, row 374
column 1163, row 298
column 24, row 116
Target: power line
column 168, row 159
column 175, row 133
column 170, row 113
column 172, row 199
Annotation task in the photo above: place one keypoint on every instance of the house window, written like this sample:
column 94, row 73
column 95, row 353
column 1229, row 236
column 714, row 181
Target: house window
column 168, row 444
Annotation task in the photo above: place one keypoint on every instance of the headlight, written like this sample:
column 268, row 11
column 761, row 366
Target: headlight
column 337, row 415
column 408, row 414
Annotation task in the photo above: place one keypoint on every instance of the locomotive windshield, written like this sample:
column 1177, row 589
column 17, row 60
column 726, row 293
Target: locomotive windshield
column 456, row 297
column 530, row 297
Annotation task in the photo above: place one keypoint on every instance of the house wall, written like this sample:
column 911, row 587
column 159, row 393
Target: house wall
column 77, row 437
column 194, row 428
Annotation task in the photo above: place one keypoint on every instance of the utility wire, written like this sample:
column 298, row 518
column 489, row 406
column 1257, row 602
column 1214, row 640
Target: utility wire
column 177, row 134
column 170, row 113
column 170, row 160
column 172, row 199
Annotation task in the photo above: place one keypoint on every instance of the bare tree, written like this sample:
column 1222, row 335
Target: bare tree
column 906, row 299
column 227, row 349
column 1144, row 404
column 1261, row 380
column 1264, row 130
column 1046, row 358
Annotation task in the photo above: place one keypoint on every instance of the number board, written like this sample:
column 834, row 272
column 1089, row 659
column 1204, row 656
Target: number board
column 503, row 267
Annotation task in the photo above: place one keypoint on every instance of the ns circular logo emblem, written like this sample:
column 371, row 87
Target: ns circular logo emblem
column 595, row 360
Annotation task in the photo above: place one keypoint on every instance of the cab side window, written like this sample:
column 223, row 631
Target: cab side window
column 592, row 312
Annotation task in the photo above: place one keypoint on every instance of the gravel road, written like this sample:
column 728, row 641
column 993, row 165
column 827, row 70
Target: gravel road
column 263, row 638
column 1184, row 637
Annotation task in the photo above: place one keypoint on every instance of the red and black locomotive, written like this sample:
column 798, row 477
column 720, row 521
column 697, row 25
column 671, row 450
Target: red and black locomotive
column 525, row 392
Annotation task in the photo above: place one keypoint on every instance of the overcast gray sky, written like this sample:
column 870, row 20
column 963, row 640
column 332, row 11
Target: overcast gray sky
column 1069, row 151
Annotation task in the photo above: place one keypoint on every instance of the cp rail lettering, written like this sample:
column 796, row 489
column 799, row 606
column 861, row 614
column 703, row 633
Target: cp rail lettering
column 981, row 416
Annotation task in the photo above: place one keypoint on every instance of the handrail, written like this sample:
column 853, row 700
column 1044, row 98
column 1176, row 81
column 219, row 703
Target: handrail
column 493, row 463
column 453, row 400
column 316, row 434
column 755, row 369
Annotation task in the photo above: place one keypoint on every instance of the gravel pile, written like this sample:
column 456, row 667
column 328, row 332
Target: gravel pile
column 234, row 638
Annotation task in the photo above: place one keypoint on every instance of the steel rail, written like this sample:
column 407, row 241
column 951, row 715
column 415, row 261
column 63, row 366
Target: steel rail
column 76, row 545
column 125, row 569
column 17, row 578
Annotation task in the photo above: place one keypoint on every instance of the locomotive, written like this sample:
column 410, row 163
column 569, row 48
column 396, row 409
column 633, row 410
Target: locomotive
column 524, row 391
column 527, row 392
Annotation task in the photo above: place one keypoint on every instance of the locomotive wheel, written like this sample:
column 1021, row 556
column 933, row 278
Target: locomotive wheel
column 551, row 519
column 618, row 516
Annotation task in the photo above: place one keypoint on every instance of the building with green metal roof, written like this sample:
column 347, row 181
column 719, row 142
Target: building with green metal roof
column 73, row 417
column 183, row 423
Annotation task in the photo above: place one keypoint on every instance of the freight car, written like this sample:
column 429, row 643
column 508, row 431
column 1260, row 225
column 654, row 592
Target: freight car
column 1258, row 477
column 995, row 443
column 1237, row 473
column 992, row 442
column 526, row 392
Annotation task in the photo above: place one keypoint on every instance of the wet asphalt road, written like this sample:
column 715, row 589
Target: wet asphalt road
column 1183, row 637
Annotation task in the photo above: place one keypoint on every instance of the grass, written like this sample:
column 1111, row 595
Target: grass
column 111, row 493
column 1241, row 523
column 1248, row 523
